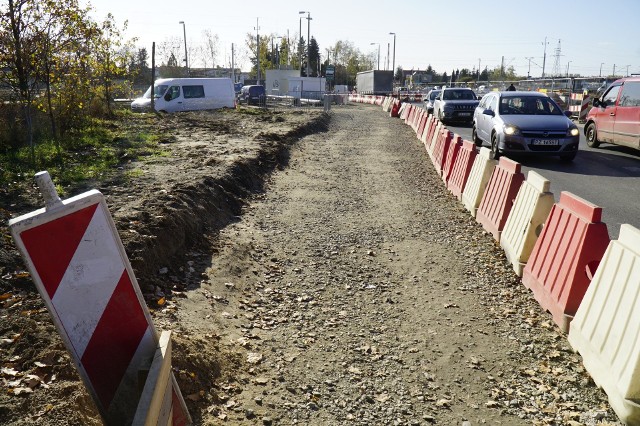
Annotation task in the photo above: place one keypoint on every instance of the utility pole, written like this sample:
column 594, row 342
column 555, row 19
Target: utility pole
column 529, row 70
column 393, row 67
column 387, row 67
column 614, row 70
column 233, row 66
column 601, row 64
column 479, row 69
column 544, row 58
column 258, row 49
column 153, row 76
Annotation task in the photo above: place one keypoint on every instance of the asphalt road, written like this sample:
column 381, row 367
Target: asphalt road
column 608, row 176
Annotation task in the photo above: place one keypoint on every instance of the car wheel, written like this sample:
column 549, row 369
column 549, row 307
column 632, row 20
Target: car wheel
column 474, row 136
column 441, row 117
column 568, row 157
column 592, row 136
column 495, row 152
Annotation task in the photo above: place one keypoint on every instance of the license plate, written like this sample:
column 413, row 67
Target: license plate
column 464, row 114
column 546, row 142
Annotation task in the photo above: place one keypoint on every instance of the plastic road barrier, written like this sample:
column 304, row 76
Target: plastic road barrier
column 403, row 110
column 566, row 256
column 395, row 109
column 435, row 137
column 450, row 157
column 530, row 210
column 422, row 125
column 158, row 399
column 462, row 169
column 499, row 195
column 481, row 172
column 78, row 264
column 606, row 327
column 427, row 128
column 441, row 149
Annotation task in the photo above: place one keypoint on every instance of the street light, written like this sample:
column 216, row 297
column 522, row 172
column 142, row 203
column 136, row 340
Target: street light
column 568, row 68
column 308, row 18
column 378, row 54
column 601, row 64
column 394, row 55
column 184, row 29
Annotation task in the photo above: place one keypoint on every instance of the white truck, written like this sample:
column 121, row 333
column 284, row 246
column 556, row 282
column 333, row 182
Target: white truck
column 187, row 94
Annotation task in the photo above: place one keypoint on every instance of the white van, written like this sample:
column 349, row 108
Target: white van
column 187, row 94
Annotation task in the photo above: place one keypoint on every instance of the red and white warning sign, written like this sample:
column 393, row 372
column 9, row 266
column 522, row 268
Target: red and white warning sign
column 81, row 270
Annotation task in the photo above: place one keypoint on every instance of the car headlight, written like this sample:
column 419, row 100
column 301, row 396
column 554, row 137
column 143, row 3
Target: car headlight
column 573, row 131
column 511, row 130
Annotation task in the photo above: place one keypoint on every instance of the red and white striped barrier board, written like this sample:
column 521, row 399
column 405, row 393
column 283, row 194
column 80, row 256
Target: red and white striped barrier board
column 77, row 261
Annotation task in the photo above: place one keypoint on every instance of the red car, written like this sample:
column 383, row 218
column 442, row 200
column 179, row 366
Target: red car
column 615, row 117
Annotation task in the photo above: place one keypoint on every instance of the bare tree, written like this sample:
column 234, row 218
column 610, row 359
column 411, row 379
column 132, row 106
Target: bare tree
column 210, row 47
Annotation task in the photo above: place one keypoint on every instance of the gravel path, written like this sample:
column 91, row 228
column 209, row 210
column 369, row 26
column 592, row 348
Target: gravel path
column 357, row 290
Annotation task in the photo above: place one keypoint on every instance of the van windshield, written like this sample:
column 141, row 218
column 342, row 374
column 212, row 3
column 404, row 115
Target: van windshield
column 158, row 91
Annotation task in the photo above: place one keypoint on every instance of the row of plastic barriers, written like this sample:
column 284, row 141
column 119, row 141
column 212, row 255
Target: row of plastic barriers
column 562, row 251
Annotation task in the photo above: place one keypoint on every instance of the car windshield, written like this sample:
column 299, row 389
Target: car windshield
column 157, row 91
column 528, row 105
column 456, row 95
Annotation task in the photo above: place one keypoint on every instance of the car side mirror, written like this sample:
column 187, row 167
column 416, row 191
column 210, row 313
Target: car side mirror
column 596, row 102
column 167, row 97
column 568, row 114
column 489, row 112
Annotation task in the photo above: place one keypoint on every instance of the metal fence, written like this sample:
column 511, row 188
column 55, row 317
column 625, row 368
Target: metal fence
column 306, row 100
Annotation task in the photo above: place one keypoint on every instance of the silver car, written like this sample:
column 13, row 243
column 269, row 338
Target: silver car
column 430, row 98
column 524, row 123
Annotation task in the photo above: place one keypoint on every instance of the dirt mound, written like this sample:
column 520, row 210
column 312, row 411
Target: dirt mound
column 178, row 201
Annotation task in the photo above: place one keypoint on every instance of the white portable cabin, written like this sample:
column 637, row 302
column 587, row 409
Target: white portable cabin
column 187, row 94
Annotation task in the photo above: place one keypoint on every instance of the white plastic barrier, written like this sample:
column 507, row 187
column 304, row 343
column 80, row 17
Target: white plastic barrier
column 606, row 326
column 529, row 212
column 478, row 179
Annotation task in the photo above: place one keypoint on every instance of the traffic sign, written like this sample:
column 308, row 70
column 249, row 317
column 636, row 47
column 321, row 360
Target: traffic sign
column 79, row 266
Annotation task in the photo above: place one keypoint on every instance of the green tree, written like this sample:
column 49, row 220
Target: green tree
column 314, row 57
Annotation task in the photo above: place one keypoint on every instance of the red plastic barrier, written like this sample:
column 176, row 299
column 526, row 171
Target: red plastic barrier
column 432, row 129
column 421, row 115
column 395, row 109
column 416, row 119
column 462, row 169
column 410, row 113
column 451, row 156
column 422, row 125
column 566, row 256
column 440, row 150
column 498, row 197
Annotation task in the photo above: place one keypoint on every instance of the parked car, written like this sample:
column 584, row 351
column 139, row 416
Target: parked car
column 455, row 104
column 252, row 95
column 524, row 123
column 430, row 99
column 187, row 94
column 615, row 117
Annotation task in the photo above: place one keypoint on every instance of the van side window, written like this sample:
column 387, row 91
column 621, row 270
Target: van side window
column 172, row 93
column 630, row 94
column 611, row 96
column 193, row 91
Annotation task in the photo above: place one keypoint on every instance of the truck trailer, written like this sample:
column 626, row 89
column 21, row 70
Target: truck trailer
column 374, row 82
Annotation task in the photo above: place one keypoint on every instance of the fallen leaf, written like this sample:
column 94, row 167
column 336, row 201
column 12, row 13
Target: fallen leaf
column 161, row 301
column 20, row 391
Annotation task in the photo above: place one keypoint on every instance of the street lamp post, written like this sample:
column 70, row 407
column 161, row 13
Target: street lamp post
column 568, row 68
column 378, row 54
column 544, row 58
column 308, row 18
column 184, row 30
column 393, row 67
column 601, row 64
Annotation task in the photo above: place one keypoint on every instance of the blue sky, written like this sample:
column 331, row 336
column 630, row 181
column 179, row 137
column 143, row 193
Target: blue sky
column 446, row 35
